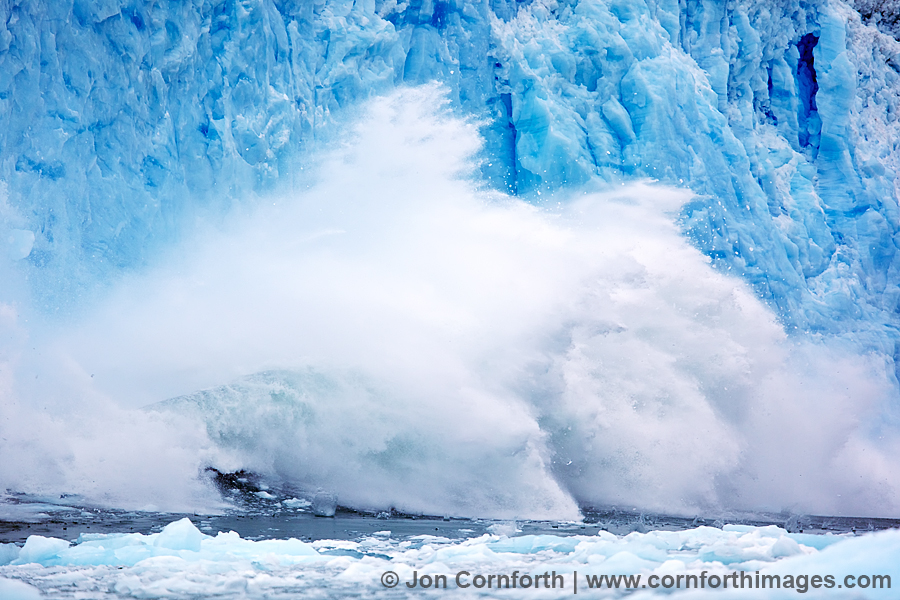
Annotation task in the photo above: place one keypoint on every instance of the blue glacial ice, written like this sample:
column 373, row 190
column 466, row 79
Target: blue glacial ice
column 122, row 122
column 197, row 195
column 181, row 562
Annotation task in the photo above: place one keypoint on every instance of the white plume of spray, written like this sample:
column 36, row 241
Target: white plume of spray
column 400, row 337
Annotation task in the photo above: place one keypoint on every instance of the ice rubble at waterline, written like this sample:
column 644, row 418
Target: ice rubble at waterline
column 182, row 562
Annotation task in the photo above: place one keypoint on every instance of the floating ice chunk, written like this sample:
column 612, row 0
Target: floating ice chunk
column 531, row 544
column 8, row 553
column 817, row 541
column 507, row 528
column 38, row 549
column 230, row 567
column 180, row 535
column 179, row 541
column 296, row 503
column 324, row 504
column 16, row 590
column 229, row 546
column 867, row 555
column 785, row 546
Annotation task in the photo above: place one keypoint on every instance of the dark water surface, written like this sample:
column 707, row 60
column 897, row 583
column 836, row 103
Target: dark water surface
column 22, row 516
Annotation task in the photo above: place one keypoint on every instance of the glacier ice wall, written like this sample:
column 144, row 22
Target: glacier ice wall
column 127, row 127
column 884, row 14
column 121, row 122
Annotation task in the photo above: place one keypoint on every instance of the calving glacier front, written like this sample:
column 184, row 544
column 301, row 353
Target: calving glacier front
column 783, row 113
column 461, row 297
column 122, row 121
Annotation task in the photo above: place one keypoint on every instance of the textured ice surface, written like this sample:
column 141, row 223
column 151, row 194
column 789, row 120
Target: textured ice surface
column 16, row 590
column 597, row 354
column 884, row 14
column 181, row 562
column 121, row 120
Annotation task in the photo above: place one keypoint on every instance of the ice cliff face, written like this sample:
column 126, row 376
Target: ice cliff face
column 122, row 121
column 884, row 14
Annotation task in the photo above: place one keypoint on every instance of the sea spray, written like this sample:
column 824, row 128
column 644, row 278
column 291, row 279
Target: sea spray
column 401, row 337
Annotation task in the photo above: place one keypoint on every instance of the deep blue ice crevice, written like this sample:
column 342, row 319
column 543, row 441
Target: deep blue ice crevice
column 809, row 124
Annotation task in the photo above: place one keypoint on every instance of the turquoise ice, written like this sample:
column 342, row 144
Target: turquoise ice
column 120, row 121
column 191, row 200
